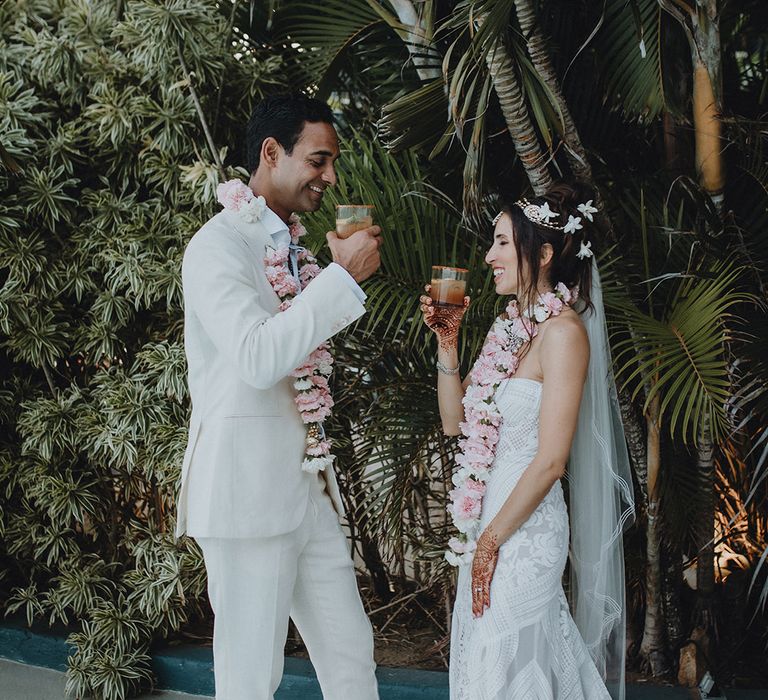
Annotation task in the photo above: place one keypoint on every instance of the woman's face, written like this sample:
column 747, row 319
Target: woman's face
column 502, row 258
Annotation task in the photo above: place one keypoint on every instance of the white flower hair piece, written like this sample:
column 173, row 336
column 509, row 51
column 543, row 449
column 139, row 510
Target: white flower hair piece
column 539, row 214
column 585, row 251
column 587, row 210
column 573, row 225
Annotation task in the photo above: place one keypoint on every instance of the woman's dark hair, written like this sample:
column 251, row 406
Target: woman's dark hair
column 282, row 117
column 529, row 238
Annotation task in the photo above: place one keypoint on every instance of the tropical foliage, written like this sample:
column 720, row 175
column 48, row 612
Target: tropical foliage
column 106, row 176
column 117, row 120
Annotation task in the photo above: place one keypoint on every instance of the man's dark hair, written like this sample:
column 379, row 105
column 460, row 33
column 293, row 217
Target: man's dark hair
column 282, row 117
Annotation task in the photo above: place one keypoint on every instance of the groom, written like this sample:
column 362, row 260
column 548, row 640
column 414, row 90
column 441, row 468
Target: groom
column 270, row 532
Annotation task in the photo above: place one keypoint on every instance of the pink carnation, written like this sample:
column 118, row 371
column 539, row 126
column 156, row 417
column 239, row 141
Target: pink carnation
column 467, row 508
column 320, row 450
column 233, row 194
column 474, row 488
column 308, row 272
column 552, row 303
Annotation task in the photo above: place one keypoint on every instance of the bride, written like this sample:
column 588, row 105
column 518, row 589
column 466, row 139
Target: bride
column 540, row 396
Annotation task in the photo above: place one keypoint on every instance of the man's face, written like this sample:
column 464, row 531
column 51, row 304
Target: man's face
column 301, row 177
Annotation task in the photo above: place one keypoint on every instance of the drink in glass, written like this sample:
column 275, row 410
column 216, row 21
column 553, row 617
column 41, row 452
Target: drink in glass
column 353, row 217
column 448, row 285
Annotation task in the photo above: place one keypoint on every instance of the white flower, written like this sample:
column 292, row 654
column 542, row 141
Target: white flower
column 452, row 558
column 316, row 464
column 545, row 213
column 460, row 476
column 573, row 225
column 325, row 368
column 541, row 313
column 587, row 210
column 254, row 209
column 302, row 384
column 585, row 251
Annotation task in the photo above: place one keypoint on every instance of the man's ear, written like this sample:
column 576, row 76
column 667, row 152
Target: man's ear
column 270, row 152
column 546, row 254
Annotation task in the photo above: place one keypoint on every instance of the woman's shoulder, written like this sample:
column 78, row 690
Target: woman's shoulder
column 564, row 332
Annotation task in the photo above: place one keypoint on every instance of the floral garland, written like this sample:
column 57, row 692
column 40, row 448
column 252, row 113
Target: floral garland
column 313, row 395
column 482, row 419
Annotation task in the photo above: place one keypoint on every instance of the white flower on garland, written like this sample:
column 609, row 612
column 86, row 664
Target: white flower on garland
column 254, row 209
column 585, row 251
column 587, row 210
column 573, row 225
column 236, row 196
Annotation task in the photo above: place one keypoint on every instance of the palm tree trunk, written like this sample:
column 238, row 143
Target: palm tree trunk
column 701, row 24
column 653, row 647
column 671, row 578
column 517, row 117
column 706, row 111
column 636, row 443
column 705, row 530
column 537, row 50
column 709, row 168
column 417, row 36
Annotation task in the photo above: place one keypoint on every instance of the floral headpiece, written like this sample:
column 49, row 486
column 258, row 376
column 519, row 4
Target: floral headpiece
column 540, row 214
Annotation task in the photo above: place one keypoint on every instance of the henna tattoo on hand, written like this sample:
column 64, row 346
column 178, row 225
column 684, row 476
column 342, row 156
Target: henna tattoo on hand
column 483, row 567
column 445, row 322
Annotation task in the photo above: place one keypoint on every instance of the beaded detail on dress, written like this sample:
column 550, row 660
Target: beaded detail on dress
column 526, row 646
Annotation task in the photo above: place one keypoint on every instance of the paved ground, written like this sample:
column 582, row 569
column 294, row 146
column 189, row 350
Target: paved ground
column 22, row 682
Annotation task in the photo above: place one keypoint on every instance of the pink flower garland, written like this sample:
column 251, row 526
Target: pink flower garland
column 313, row 397
column 482, row 419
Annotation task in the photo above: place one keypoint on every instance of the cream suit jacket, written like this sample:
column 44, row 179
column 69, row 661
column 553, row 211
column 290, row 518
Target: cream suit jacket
column 241, row 475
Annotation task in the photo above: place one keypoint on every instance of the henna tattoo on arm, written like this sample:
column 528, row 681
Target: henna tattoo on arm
column 483, row 567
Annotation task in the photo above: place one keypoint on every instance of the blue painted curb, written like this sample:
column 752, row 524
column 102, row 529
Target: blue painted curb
column 189, row 669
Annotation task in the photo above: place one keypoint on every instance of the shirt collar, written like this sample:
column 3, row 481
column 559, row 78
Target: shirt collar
column 275, row 227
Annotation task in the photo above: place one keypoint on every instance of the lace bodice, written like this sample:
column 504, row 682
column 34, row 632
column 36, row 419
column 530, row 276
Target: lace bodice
column 519, row 401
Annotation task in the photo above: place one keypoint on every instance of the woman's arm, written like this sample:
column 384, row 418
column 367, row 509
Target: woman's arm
column 445, row 322
column 564, row 356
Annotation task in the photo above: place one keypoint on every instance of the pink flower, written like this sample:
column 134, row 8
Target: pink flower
column 308, row 272
column 462, row 547
column 474, row 488
column 295, row 228
column 564, row 292
column 233, row 194
column 552, row 303
column 467, row 508
column 321, row 449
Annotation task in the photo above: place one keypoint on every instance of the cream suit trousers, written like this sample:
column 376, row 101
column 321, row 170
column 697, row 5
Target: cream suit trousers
column 255, row 584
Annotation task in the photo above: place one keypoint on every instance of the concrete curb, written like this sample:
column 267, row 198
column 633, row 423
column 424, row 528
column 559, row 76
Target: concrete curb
column 189, row 669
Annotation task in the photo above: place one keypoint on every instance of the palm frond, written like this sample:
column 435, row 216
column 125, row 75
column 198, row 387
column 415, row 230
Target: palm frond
column 682, row 358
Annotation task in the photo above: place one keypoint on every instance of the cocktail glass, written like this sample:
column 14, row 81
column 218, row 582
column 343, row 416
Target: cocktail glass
column 448, row 285
column 353, row 217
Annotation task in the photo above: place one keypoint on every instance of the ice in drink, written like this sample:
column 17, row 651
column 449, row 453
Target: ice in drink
column 448, row 285
column 353, row 217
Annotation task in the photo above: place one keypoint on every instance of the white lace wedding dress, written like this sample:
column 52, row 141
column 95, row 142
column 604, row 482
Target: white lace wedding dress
column 526, row 645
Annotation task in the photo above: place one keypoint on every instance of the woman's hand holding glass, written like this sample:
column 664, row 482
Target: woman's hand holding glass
column 443, row 321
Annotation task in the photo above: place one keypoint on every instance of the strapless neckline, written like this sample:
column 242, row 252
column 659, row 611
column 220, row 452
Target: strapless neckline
column 529, row 382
